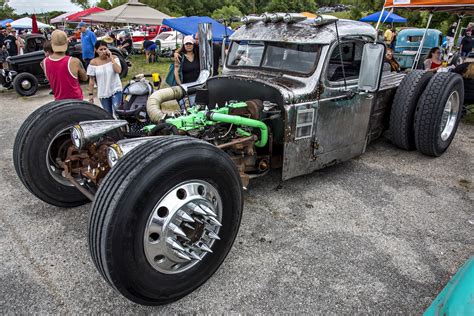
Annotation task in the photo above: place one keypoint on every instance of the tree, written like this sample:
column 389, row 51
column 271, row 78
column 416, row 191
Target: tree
column 84, row 4
column 116, row 3
column 292, row 6
column 6, row 12
column 226, row 12
column 104, row 4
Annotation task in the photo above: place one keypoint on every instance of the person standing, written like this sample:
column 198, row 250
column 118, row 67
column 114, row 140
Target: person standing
column 105, row 71
column 88, row 40
column 63, row 72
column 387, row 37
column 11, row 43
column 451, row 34
column 393, row 43
column 466, row 45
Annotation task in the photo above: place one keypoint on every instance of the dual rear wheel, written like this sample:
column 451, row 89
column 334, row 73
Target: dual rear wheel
column 426, row 112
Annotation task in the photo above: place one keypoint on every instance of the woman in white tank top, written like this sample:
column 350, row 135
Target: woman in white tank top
column 104, row 70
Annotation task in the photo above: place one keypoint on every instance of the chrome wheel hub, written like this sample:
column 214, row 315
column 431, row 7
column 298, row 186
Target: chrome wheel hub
column 57, row 148
column 183, row 227
column 449, row 117
column 25, row 84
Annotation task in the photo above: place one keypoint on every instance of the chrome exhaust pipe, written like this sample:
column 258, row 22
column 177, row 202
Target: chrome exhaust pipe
column 88, row 132
column 155, row 101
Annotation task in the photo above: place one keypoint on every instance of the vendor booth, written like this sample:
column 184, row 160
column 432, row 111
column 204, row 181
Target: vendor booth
column 189, row 26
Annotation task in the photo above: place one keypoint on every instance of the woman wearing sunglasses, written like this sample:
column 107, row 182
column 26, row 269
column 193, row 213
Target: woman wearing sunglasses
column 433, row 61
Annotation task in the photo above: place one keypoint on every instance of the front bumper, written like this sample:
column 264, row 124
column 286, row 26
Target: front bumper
column 6, row 77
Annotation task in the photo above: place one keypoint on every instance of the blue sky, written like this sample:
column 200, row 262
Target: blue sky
column 38, row 6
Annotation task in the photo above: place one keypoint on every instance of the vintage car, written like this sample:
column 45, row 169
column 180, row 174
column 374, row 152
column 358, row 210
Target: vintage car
column 295, row 95
column 165, row 41
column 24, row 72
column 408, row 41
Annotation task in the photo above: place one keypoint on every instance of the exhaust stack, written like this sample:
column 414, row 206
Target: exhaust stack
column 153, row 106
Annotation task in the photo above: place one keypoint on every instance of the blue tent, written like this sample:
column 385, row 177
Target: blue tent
column 4, row 22
column 387, row 17
column 189, row 26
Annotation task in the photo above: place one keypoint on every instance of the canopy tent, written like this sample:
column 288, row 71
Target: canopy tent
column 27, row 23
column 309, row 15
column 387, row 17
column 61, row 18
column 3, row 23
column 130, row 12
column 189, row 26
column 82, row 15
column 459, row 6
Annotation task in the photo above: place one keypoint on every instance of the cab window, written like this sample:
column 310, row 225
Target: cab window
column 345, row 60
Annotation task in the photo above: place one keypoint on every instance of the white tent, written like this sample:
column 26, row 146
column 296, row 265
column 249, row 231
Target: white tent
column 61, row 18
column 132, row 12
column 26, row 23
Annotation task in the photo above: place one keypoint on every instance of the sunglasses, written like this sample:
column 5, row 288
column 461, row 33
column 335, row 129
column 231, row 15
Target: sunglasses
column 189, row 44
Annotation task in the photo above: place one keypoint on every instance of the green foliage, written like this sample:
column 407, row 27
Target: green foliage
column 226, row 12
column 104, row 4
column 116, row 3
column 292, row 6
column 6, row 12
column 84, row 4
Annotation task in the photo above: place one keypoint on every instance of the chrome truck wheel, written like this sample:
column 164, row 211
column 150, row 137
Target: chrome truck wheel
column 160, row 227
column 438, row 113
column 183, row 227
column 449, row 116
column 44, row 140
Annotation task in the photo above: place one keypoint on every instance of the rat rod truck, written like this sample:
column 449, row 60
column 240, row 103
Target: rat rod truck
column 295, row 94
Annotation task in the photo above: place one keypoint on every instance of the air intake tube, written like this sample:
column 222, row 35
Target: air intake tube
column 155, row 101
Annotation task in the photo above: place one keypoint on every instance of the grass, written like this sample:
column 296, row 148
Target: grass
column 139, row 66
column 469, row 117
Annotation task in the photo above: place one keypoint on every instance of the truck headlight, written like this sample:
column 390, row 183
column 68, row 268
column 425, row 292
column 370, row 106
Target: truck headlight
column 114, row 153
column 77, row 136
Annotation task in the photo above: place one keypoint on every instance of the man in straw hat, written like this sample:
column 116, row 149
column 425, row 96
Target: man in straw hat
column 63, row 72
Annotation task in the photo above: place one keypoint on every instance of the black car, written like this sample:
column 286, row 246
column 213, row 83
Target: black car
column 25, row 74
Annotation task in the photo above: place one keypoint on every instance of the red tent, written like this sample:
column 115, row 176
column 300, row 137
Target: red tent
column 78, row 17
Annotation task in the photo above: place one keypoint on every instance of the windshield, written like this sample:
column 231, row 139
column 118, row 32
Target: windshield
column 285, row 57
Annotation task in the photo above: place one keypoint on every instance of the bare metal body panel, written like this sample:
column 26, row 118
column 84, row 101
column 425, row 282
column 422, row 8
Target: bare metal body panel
column 343, row 120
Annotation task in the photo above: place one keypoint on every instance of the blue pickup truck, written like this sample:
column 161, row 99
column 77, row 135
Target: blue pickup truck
column 408, row 41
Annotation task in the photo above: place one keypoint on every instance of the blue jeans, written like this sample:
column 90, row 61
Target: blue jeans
column 111, row 103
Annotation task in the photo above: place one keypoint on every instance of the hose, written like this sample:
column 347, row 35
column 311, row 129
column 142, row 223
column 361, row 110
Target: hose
column 153, row 105
column 243, row 121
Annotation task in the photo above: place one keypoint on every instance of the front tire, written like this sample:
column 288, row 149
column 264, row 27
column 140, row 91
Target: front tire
column 43, row 136
column 25, row 84
column 146, row 260
column 438, row 113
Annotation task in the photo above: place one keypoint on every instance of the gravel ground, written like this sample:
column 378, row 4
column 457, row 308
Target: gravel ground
column 382, row 233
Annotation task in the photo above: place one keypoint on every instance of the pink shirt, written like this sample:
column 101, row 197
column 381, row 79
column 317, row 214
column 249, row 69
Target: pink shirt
column 63, row 83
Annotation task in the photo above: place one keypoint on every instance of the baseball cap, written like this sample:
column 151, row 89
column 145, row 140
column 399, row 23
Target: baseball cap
column 59, row 41
column 188, row 39
column 81, row 24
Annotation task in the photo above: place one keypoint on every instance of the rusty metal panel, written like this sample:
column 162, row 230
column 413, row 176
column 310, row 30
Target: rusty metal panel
column 302, row 32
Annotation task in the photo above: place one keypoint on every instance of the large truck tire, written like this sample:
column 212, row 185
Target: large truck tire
column 165, row 218
column 43, row 137
column 438, row 113
column 25, row 84
column 404, row 107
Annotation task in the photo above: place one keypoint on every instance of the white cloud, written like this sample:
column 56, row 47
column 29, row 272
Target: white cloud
column 39, row 6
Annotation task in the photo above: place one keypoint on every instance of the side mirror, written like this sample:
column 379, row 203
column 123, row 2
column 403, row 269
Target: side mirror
column 371, row 67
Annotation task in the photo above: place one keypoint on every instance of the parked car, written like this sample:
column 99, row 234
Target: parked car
column 24, row 73
column 408, row 41
column 149, row 32
column 165, row 41
column 294, row 95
